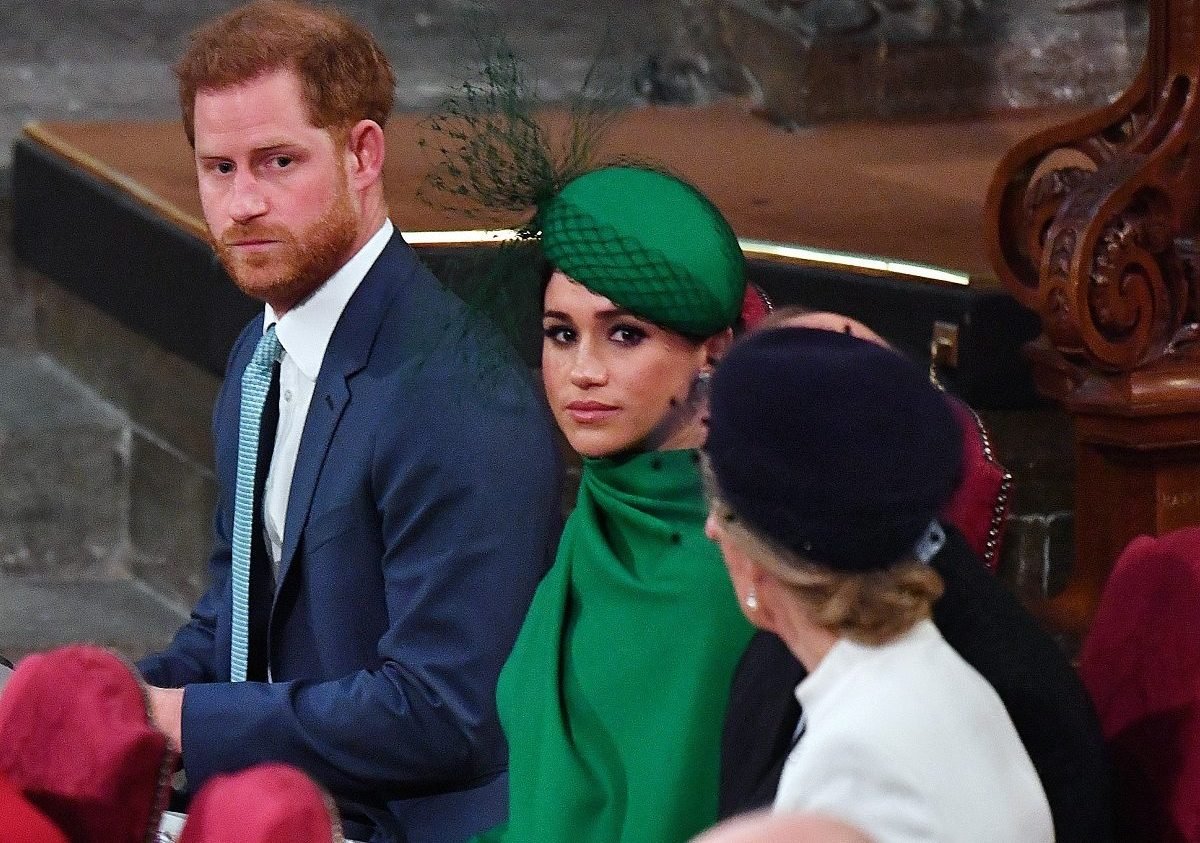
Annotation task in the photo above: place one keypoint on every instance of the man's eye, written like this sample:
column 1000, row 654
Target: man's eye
column 225, row 167
column 281, row 161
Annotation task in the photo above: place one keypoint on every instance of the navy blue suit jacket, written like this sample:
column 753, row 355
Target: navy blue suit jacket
column 423, row 512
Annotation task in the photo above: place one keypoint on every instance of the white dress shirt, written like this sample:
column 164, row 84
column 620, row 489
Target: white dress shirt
column 907, row 742
column 304, row 332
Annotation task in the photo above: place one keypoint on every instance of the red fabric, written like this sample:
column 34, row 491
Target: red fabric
column 980, row 504
column 755, row 307
column 20, row 822
column 270, row 803
column 75, row 738
column 1141, row 664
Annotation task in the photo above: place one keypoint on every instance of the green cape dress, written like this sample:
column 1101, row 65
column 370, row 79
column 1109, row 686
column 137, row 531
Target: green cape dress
column 614, row 695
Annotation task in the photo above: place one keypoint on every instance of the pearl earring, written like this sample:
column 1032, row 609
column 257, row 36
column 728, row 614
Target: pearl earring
column 752, row 601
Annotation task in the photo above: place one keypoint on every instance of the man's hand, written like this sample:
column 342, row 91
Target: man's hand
column 166, row 712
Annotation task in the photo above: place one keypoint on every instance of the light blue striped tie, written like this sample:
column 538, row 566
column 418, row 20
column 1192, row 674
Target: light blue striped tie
column 256, row 383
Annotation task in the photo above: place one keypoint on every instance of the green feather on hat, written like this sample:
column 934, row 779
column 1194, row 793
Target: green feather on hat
column 646, row 240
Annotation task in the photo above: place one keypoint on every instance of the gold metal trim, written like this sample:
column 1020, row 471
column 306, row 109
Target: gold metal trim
column 852, row 260
column 459, row 238
column 751, row 247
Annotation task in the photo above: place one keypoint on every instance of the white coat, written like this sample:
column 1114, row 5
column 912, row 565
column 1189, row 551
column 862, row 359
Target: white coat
column 907, row 742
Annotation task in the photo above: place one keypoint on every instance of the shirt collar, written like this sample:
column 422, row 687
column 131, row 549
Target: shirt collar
column 305, row 330
column 847, row 656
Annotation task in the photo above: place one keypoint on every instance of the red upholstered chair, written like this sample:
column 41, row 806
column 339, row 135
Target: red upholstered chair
column 77, row 742
column 269, row 803
column 1141, row 664
column 980, row 503
column 21, row 822
column 756, row 306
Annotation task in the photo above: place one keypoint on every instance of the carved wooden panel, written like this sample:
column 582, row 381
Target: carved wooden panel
column 1091, row 223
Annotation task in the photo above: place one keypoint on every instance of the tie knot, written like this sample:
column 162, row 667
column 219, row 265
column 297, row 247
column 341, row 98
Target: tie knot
column 267, row 350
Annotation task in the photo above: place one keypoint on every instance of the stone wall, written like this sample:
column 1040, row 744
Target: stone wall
column 105, row 461
column 1035, row 445
column 807, row 61
column 163, row 492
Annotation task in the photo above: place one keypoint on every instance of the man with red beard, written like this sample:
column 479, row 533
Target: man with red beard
column 372, row 564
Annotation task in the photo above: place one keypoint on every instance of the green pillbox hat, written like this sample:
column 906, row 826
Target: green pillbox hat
column 650, row 243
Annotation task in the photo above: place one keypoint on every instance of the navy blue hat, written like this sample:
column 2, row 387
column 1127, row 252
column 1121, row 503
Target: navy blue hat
column 836, row 448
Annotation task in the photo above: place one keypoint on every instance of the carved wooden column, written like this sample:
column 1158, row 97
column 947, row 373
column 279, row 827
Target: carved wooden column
column 1093, row 225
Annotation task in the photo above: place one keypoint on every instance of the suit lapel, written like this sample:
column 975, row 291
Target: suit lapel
column 348, row 351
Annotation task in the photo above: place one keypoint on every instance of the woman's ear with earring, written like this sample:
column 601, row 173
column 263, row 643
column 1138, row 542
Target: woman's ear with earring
column 715, row 347
column 762, row 599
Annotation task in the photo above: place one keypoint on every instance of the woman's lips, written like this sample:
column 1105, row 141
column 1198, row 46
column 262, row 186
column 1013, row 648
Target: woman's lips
column 590, row 412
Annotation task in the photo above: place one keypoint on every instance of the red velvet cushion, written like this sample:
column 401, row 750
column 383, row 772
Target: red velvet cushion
column 20, row 822
column 980, row 504
column 76, row 739
column 270, row 803
column 1141, row 664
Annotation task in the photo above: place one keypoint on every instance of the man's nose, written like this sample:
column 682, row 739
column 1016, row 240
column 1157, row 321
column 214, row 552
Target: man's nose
column 247, row 200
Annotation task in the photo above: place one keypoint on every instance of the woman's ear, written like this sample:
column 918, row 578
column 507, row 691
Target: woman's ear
column 760, row 603
column 749, row 579
column 715, row 348
column 772, row 600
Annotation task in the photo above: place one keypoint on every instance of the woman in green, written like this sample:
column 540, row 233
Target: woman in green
column 613, row 697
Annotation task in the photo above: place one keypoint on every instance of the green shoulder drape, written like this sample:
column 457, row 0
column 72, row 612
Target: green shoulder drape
column 613, row 697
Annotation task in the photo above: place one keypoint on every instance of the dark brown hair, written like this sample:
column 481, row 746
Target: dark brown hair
column 344, row 75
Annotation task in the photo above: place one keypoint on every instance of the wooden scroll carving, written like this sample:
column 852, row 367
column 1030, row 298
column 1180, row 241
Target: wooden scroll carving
column 1093, row 225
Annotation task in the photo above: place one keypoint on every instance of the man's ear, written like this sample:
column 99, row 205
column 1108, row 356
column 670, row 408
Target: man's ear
column 365, row 148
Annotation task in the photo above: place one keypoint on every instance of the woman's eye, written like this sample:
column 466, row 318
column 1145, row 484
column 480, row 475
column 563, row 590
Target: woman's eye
column 224, row 167
column 627, row 334
column 281, row 161
column 559, row 334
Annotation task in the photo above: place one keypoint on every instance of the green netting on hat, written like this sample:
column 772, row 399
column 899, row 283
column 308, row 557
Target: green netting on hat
column 493, row 154
column 650, row 243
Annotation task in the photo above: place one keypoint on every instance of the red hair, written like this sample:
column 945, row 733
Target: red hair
column 344, row 75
